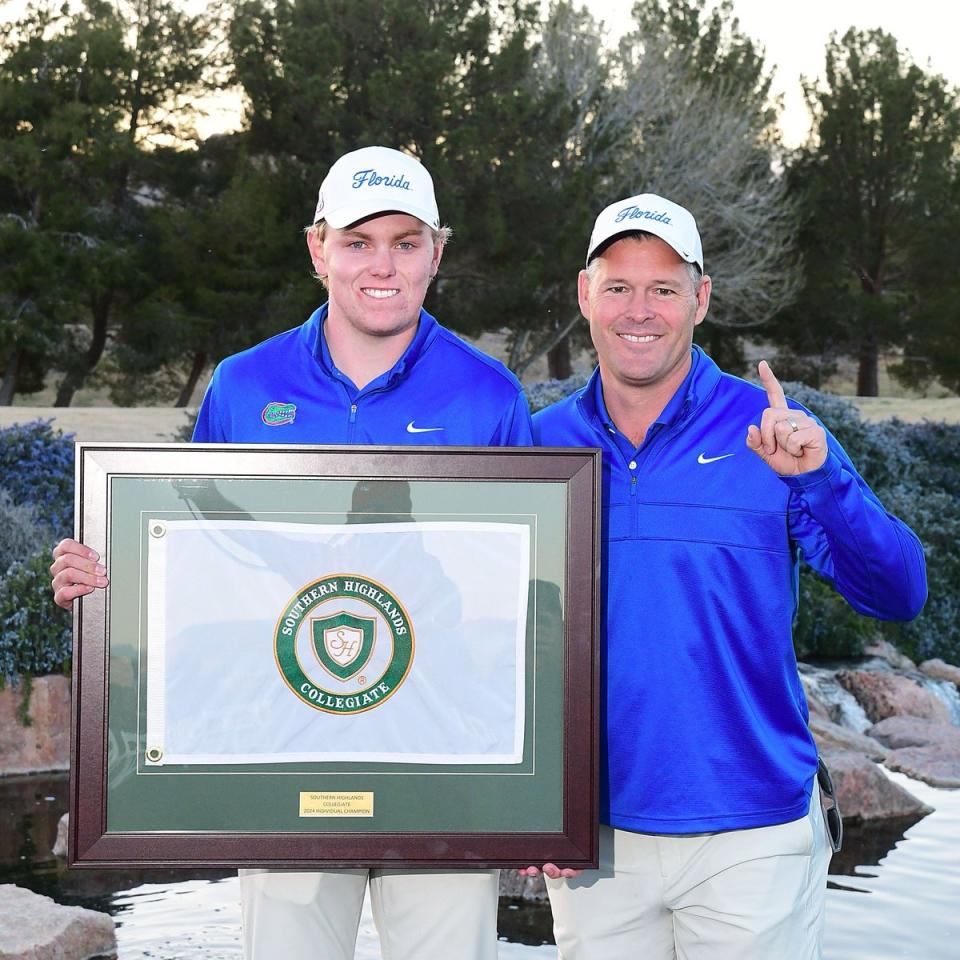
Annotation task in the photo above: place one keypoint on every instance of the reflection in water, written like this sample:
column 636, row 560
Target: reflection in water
column 866, row 846
column 530, row 924
column 903, row 904
column 30, row 809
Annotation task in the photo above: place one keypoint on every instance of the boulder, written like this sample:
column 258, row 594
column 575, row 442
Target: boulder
column 938, row 670
column 898, row 732
column 45, row 744
column 864, row 792
column 885, row 650
column 531, row 889
column 921, row 749
column 937, row 764
column 883, row 694
column 35, row 928
column 831, row 736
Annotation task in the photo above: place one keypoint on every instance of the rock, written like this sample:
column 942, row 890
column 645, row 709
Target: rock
column 831, row 736
column 899, row 732
column 864, row 792
column 921, row 749
column 45, row 744
column 35, row 928
column 816, row 706
column 883, row 695
column 825, row 695
column 60, row 844
column 887, row 651
column 532, row 889
column 937, row 764
column 938, row 670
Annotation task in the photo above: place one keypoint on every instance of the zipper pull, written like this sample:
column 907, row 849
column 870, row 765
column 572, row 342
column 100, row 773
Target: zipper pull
column 353, row 412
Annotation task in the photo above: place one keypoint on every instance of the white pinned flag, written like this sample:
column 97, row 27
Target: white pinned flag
column 274, row 642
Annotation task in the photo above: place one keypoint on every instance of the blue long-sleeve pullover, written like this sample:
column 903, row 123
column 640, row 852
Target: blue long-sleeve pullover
column 705, row 717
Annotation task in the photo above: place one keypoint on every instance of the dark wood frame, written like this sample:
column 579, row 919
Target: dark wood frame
column 91, row 845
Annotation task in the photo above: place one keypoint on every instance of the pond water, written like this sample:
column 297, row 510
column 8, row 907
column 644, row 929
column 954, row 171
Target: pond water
column 893, row 893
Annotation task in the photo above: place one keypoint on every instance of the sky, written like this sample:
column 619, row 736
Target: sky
column 795, row 35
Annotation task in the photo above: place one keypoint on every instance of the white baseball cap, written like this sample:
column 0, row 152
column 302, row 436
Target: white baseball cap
column 376, row 180
column 651, row 214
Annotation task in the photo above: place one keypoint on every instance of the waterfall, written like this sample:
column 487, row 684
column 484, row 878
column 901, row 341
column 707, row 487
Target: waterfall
column 840, row 703
column 945, row 691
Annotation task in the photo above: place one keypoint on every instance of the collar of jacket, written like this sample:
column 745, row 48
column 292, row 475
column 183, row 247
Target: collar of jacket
column 316, row 342
column 697, row 387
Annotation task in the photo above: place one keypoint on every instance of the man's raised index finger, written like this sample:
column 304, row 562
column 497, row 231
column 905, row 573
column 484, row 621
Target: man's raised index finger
column 772, row 385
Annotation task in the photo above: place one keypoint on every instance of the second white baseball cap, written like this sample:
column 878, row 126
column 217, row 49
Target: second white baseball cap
column 651, row 214
column 375, row 180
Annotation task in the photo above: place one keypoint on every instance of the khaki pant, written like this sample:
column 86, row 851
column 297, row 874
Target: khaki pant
column 756, row 894
column 442, row 915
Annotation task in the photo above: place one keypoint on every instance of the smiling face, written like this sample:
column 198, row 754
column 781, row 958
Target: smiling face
column 642, row 306
column 377, row 273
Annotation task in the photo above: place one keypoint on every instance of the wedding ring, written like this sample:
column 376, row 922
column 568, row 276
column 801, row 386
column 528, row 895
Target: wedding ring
column 793, row 424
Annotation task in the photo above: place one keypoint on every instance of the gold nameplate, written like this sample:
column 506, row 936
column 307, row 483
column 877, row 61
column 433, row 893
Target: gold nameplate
column 336, row 804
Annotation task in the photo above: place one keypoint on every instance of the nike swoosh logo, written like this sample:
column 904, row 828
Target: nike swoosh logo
column 412, row 429
column 703, row 459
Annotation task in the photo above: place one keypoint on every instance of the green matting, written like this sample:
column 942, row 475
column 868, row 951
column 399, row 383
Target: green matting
column 526, row 797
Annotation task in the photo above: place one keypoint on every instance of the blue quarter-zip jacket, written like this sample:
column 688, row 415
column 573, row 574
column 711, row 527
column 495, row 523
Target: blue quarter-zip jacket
column 705, row 717
column 440, row 392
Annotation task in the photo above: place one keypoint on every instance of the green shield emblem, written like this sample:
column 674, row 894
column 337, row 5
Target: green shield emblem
column 344, row 642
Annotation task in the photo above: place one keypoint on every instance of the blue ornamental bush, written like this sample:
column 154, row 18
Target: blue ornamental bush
column 36, row 467
column 35, row 633
column 21, row 533
column 542, row 394
column 36, row 510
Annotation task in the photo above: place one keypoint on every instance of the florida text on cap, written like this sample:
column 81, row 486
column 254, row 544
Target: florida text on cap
column 651, row 214
column 376, row 180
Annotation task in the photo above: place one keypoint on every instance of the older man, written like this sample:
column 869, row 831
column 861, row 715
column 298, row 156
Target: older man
column 713, row 842
column 369, row 366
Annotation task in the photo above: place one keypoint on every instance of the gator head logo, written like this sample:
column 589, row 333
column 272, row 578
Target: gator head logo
column 276, row 414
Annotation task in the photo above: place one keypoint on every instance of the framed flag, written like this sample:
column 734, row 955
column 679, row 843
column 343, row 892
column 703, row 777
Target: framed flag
column 336, row 657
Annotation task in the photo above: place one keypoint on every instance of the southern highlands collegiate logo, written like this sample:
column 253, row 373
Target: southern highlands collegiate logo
column 344, row 644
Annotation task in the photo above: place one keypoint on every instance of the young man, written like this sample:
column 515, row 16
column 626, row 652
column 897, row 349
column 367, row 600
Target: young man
column 712, row 844
column 369, row 366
